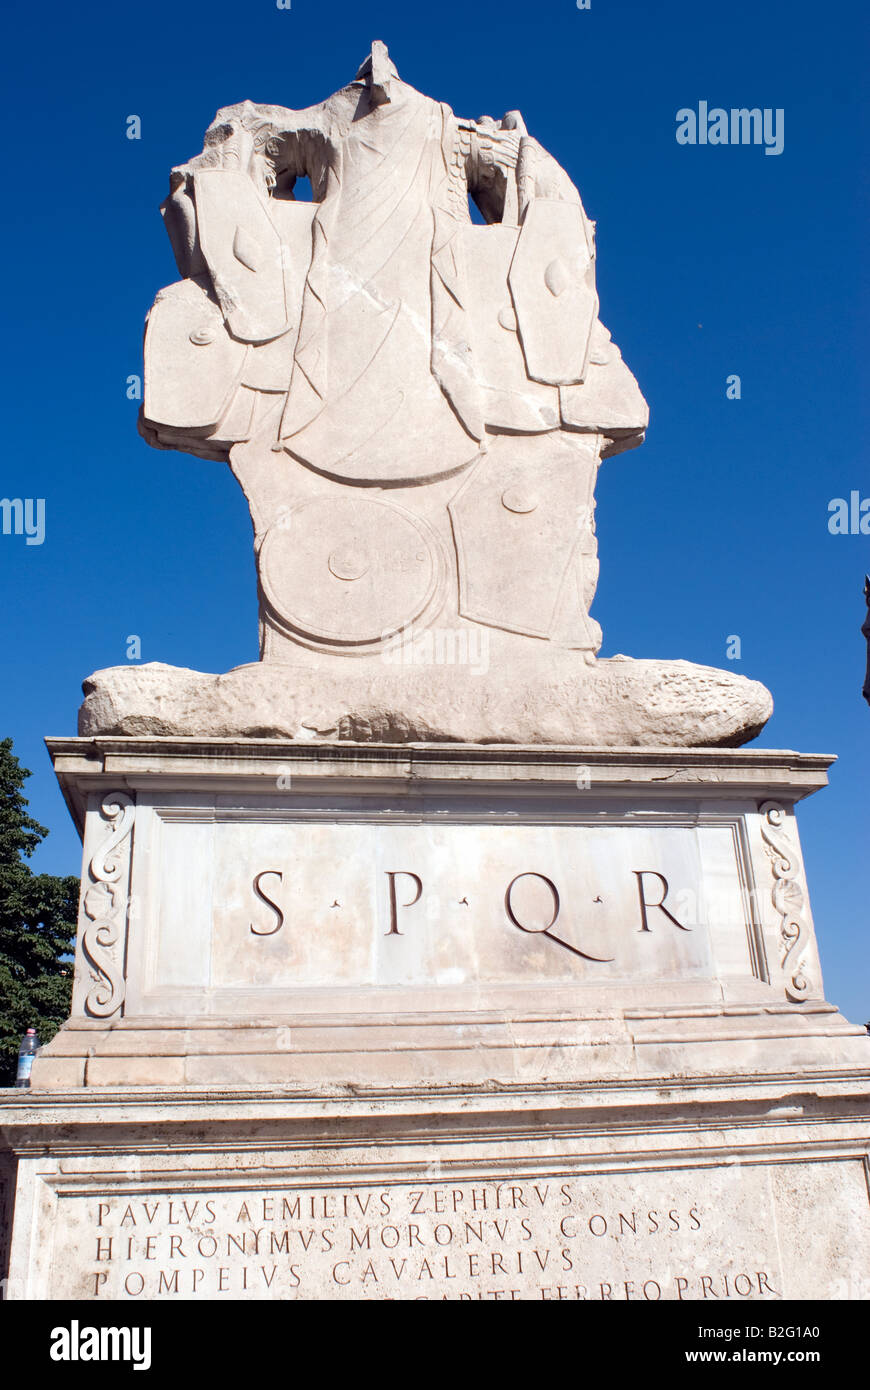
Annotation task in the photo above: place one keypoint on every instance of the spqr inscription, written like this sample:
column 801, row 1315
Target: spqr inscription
column 525, row 915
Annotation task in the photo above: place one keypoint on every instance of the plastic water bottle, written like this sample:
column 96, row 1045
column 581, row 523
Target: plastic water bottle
column 26, row 1053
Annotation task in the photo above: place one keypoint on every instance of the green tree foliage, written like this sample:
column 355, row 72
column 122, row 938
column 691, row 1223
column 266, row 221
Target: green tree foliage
column 37, row 926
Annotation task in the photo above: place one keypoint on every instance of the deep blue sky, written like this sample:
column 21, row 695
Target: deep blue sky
column 711, row 261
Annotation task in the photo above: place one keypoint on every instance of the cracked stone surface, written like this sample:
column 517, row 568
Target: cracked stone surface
column 615, row 702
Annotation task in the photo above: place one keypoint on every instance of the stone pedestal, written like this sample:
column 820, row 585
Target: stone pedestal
column 735, row 1189
column 359, row 1021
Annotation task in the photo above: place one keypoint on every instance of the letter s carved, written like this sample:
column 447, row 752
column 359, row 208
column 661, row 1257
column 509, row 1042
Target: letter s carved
column 263, row 896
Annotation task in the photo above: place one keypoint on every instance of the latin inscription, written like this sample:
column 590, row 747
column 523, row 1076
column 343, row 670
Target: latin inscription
column 547, row 1238
column 524, row 921
column 267, row 907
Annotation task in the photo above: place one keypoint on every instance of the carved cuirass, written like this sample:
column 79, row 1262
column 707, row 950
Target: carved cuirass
column 385, row 374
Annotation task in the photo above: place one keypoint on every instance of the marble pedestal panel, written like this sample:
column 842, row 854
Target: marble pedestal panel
column 442, row 1021
column 260, row 912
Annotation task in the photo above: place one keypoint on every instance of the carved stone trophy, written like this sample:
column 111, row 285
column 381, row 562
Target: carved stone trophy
column 430, row 955
column 416, row 408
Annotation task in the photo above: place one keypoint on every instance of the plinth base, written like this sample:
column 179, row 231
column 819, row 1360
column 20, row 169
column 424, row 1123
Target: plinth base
column 742, row 1190
column 358, row 1021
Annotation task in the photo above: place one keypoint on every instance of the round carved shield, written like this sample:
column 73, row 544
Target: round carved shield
column 351, row 571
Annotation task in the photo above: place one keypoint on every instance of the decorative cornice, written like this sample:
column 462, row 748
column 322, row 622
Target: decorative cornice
column 83, row 764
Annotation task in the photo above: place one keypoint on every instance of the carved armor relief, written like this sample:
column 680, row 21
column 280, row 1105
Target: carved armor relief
column 406, row 397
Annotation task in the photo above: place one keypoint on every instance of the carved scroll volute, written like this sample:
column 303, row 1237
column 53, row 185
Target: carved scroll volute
column 104, row 910
column 797, row 956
